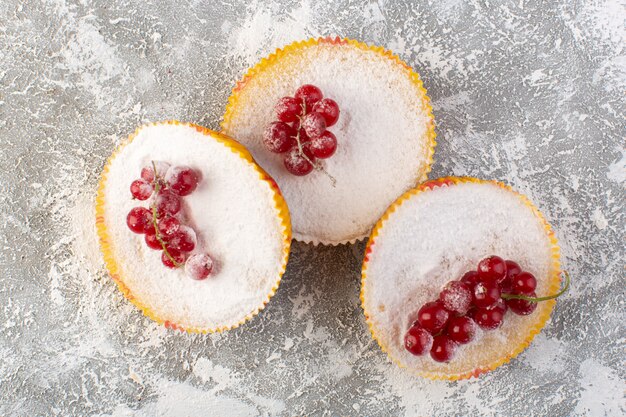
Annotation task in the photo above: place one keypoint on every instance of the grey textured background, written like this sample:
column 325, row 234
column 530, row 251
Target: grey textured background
column 531, row 93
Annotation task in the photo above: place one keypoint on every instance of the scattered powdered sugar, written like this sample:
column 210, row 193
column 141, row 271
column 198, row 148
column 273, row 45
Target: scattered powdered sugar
column 410, row 256
column 617, row 170
column 546, row 355
column 598, row 219
column 526, row 92
column 267, row 27
column 183, row 400
column 233, row 213
column 602, row 390
column 382, row 134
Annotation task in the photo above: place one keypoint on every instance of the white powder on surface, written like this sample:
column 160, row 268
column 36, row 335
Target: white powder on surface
column 419, row 397
column 94, row 59
column 602, row 391
column 383, row 147
column 224, row 381
column 277, row 29
column 234, row 217
column 435, row 237
column 617, row 170
column 68, row 337
column 545, row 355
column 183, row 400
column 599, row 220
column 222, row 377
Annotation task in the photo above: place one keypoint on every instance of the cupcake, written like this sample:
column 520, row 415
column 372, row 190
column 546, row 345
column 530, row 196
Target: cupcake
column 459, row 275
column 192, row 230
column 344, row 128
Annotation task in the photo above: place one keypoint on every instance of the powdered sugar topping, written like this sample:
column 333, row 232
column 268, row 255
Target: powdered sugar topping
column 78, row 76
column 382, row 134
column 241, row 229
column 436, row 236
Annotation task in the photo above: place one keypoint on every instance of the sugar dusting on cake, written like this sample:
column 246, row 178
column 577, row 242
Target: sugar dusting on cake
column 232, row 212
column 528, row 94
column 484, row 219
column 384, row 136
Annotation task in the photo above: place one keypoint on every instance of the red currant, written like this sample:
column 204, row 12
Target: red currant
column 470, row 279
column 433, row 316
column 314, row 124
column 524, row 283
column 492, row 269
column 147, row 172
column 181, row 180
column 199, row 266
column 512, row 269
column 288, row 109
column 417, row 340
column 297, row 164
column 179, row 257
column 329, row 109
column 167, row 203
column 168, row 225
column 486, row 294
column 279, row 137
column 490, row 318
column 152, row 242
column 522, row 307
column 505, row 286
column 310, row 94
column 461, row 329
column 304, row 138
column 323, row 146
column 456, row 297
column 139, row 220
column 141, row 189
column 443, row 349
column 183, row 240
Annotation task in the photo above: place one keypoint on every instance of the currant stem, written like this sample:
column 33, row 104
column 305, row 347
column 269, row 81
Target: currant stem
column 157, row 187
column 538, row 299
column 301, row 150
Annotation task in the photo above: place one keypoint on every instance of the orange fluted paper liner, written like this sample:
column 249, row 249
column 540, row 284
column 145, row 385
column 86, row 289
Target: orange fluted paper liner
column 105, row 242
column 540, row 320
column 294, row 48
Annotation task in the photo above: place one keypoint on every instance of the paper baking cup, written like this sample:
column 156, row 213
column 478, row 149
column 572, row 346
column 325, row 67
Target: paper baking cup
column 539, row 320
column 295, row 48
column 112, row 264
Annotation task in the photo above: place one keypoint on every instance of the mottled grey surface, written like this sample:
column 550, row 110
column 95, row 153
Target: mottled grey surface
column 527, row 92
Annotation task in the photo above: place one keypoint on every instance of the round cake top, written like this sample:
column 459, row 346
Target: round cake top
column 433, row 235
column 236, row 211
column 385, row 133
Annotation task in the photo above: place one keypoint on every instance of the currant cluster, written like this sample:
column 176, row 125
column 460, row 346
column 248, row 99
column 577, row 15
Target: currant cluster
column 300, row 132
column 161, row 223
column 480, row 297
